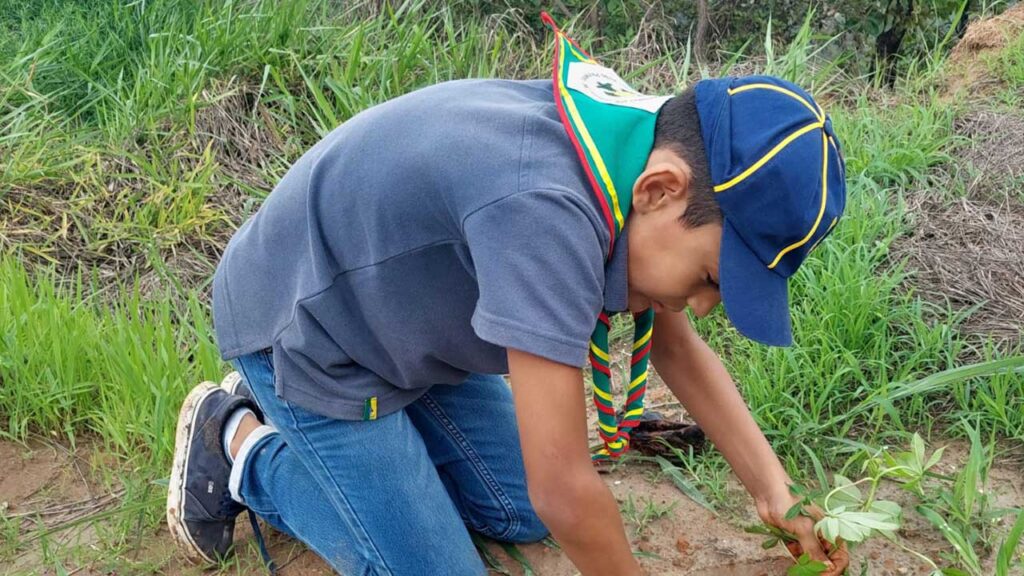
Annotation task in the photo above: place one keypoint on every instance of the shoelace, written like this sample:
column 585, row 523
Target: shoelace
column 228, row 506
column 267, row 560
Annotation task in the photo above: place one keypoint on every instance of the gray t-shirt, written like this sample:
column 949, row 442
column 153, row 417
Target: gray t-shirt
column 414, row 244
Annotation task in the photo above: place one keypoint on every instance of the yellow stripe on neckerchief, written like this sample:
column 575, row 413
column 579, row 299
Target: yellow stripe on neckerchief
column 611, row 126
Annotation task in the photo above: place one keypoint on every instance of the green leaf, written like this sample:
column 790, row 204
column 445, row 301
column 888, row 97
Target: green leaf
column 846, row 493
column 917, row 445
column 963, row 548
column 829, row 528
column 492, row 561
column 855, row 526
column 819, row 470
column 762, row 529
column 642, row 554
column 887, row 507
column 680, row 481
column 806, row 567
column 936, row 456
column 518, row 556
column 551, row 543
column 1006, row 551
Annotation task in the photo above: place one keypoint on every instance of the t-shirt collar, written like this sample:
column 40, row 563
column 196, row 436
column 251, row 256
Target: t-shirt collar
column 616, row 276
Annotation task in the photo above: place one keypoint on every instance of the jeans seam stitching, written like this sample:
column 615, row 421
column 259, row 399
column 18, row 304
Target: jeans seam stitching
column 478, row 465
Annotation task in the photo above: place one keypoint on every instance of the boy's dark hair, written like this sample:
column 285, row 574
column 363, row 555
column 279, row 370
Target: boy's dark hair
column 678, row 129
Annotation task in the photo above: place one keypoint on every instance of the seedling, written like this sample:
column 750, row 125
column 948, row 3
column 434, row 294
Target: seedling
column 851, row 516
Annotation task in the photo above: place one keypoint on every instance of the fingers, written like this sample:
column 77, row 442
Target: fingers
column 814, row 511
column 840, row 556
column 809, row 542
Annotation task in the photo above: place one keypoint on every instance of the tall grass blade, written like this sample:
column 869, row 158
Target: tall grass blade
column 1007, row 551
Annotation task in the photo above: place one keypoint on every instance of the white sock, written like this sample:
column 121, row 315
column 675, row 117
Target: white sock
column 231, row 427
column 235, row 478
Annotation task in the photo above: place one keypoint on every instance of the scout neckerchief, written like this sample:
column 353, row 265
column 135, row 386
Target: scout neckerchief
column 612, row 128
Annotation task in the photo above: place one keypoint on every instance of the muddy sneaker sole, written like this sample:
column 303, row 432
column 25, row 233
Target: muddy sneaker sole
column 176, row 487
column 231, row 383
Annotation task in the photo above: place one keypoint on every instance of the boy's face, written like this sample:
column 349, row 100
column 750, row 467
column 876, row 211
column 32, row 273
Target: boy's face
column 671, row 266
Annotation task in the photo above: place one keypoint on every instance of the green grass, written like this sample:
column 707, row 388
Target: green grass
column 105, row 159
column 1008, row 64
column 72, row 364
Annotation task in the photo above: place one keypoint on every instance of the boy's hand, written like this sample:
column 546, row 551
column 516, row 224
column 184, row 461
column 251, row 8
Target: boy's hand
column 773, row 512
column 698, row 379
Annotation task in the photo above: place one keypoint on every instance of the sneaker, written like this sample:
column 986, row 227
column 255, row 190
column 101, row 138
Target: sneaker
column 233, row 383
column 200, row 511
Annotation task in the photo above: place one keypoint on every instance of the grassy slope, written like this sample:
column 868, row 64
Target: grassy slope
column 101, row 110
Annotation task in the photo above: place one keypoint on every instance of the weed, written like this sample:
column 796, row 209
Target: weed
column 962, row 512
column 73, row 364
column 641, row 512
column 10, row 532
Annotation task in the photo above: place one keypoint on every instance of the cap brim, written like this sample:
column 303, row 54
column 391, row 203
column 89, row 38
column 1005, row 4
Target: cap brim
column 756, row 300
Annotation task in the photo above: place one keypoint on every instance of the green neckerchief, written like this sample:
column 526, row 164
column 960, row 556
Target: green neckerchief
column 612, row 128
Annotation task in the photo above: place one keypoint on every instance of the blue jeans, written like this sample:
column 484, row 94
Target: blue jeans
column 393, row 495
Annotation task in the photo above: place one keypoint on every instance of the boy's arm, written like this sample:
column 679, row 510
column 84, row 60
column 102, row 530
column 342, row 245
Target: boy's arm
column 700, row 381
column 565, row 489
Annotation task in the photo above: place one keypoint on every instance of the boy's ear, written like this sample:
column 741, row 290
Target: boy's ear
column 665, row 181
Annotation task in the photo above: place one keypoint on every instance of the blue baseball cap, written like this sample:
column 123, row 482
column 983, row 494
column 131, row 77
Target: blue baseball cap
column 779, row 178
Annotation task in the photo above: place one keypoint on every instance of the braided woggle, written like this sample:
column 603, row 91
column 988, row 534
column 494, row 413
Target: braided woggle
column 614, row 433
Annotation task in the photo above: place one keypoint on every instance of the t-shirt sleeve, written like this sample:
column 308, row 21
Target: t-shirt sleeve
column 540, row 269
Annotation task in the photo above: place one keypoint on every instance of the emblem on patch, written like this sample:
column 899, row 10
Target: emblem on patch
column 604, row 85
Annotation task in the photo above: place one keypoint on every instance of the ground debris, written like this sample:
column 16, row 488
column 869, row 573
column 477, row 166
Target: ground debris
column 993, row 153
column 157, row 209
column 990, row 34
column 969, row 253
column 657, row 436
